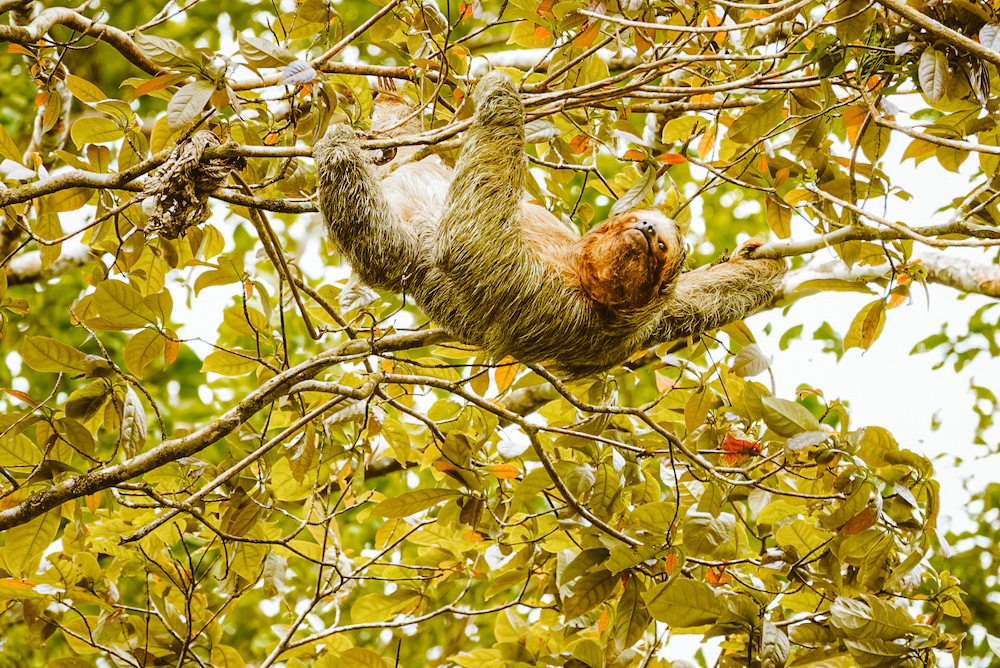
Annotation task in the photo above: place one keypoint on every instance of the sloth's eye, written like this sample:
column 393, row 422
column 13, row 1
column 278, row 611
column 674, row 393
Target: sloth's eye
column 663, row 246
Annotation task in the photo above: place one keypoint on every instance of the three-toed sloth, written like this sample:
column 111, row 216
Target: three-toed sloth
column 508, row 276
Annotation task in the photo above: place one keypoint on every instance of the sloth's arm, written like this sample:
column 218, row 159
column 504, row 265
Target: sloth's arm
column 713, row 296
column 361, row 223
column 480, row 231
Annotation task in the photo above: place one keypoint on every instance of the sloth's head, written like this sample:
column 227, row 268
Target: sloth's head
column 631, row 260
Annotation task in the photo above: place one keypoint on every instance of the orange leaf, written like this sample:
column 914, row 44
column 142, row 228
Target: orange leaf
column 863, row 520
column 738, row 450
column 671, row 158
column 505, row 373
column 670, row 562
column 854, row 116
column 473, row 537
column 17, row 48
column 603, row 622
column 541, row 32
column 718, row 579
column 587, row 37
column 634, row 154
column 706, row 143
column 503, row 471
column 93, row 501
column 272, row 138
column 664, row 383
column 545, row 8
column 580, row 143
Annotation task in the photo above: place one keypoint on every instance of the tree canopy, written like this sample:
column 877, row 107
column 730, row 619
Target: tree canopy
column 217, row 450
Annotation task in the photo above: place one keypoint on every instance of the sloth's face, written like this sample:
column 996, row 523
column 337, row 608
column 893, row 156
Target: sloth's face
column 628, row 261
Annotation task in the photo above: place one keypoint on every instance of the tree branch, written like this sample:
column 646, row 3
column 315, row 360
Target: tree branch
column 186, row 446
column 116, row 37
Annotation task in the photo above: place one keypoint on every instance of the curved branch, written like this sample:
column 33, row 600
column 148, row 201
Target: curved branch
column 116, row 37
column 941, row 31
column 185, row 446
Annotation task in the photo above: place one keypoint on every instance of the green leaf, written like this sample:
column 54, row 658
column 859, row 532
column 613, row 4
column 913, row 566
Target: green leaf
column 8, row 149
column 866, row 326
column 589, row 592
column 163, row 51
column 122, row 305
column 83, row 90
column 142, row 349
column 263, row 53
column 756, row 122
column 802, row 535
column 224, row 656
column 872, row 617
column 133, row 431
column 375, row 608
column 94, row 130
column 233, row 364
column 26, row 542
column 187, row 104
column 631, row 617
column 750, row 361
column 787, row 418
column 704, row 534
column 410, row 503
column 48, row 355
column 683, row 603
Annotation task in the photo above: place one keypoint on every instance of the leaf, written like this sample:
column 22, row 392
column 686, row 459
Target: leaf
column 163, row 51
column 866, row 326
column 187, row 104
column 756, row 122
column 635, row 195
column 48, row 355
column 83, row 90
column 994, row 643
column 834, row 285
column 779, row 217
column 872, row 618
column 359, row 657
column 631, row 617
column 787, row 418
column 989, row 36
column 94, row 130
column 232, row 363
column 26, row 542
column 133, row 430
column 704, row 534
column 263, row 53
column 933, row 74
column 224, row 656
column 750, row 361
column 142, row 349
column 8, row 149
column 588, row 592
column 122, row 305
column 774, row 646
column 683, row 603
column 378, row 607
column 410, row 503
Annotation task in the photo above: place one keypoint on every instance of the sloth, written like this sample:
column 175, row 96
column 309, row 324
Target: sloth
column 508, row 276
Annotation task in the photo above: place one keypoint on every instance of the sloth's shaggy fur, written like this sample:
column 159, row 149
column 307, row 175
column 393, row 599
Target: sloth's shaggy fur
column 511, row 278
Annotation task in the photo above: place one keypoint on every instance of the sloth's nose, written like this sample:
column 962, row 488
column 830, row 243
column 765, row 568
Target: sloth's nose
column 648, row 228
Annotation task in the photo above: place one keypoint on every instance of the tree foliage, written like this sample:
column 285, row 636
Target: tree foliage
column 327, row 481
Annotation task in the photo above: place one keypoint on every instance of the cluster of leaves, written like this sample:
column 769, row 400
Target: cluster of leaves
column 314, row 490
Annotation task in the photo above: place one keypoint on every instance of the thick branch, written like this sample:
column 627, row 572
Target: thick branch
column 941, row 31
column 953, row 272
column 186, row 446
column 27, row 267
column 117, row 38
